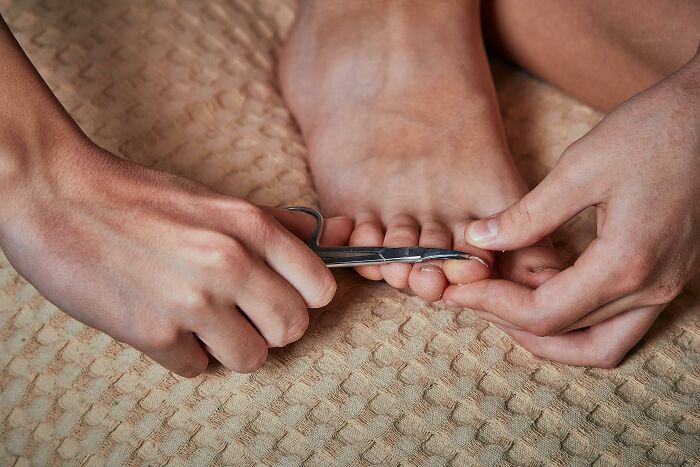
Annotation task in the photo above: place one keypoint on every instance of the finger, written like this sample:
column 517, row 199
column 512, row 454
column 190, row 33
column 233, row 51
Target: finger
column 603, row 345
column 401, row 230
column 336, row 230
column 466, row 271
column 593, row 281
column 179, row 352
column 368, row 232
column 291, row 258
column 530, row 266
column 427, row 280
column 558, row 198
column 272, row 305
column 616, row 307
column 231, row 339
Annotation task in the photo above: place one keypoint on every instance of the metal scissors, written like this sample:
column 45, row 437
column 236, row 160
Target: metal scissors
column 351, row 256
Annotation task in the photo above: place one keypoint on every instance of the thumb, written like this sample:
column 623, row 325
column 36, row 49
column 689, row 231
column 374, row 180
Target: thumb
column 336, row 230
column 536, row 215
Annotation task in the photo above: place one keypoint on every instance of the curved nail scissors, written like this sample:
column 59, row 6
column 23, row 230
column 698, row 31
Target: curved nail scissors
column 351, row 256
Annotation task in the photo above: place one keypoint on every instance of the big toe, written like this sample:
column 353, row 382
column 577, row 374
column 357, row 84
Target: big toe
column 531, row 266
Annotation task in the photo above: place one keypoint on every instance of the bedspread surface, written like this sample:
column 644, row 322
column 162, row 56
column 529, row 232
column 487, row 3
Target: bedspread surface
column 381, row 377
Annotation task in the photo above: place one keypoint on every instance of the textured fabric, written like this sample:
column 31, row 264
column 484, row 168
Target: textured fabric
column 381, row 377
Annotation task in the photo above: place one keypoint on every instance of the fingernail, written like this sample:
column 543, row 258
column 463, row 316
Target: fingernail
column 431, row 268
column 482, row 231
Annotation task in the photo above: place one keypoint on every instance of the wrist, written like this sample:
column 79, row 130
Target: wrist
column 28, row 159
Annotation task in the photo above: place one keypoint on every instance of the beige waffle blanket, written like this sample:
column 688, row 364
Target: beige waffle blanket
column 381, row 377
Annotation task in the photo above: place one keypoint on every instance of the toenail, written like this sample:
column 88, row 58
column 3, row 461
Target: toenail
column 431, row 268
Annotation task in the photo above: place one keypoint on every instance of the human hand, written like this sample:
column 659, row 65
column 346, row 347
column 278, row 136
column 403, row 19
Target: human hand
column 161, row 262
column 640, row 168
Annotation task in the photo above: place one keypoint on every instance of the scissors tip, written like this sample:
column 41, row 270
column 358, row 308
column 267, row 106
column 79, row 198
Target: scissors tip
column 454, row 254
column 476, row 258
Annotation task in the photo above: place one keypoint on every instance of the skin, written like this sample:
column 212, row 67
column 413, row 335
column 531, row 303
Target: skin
column 155, row 260
column 431, row 157
column 600, row 52
column 419, row 71
column 640, row 169
column 404, row 132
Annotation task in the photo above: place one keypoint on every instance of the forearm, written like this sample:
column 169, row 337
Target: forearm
column 32, row 121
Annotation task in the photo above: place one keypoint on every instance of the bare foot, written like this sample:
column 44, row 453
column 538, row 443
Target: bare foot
column 404, row 133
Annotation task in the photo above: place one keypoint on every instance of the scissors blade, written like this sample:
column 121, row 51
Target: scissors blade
column 335, row 257
column 420, row 254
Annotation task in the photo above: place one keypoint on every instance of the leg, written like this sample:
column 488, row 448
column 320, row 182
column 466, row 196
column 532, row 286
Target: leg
column 601, row 52
column 397, row 107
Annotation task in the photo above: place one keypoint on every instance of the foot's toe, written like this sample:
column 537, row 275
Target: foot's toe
column 466, row 271
column 401, row 230
column 427, row 280
column 368, row 232
column 530, row 266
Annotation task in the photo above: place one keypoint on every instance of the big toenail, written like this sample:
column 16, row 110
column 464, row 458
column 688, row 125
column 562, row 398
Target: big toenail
column 431, row 268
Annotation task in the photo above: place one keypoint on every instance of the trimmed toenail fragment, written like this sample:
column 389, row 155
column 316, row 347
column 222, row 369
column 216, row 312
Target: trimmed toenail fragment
column 431, row 268
column 482, row 231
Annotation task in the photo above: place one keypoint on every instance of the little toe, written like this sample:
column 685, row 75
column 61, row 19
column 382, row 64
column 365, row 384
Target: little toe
column 531, row 266
column 428, row 280
column 368, row 232
column 401, row 230
column 466, row 271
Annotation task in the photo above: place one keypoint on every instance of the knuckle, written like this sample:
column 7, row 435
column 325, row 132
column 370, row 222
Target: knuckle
column 636, row 270
column 325, row 291
column 291, row 325
column 192, row 369
column 216, row 253
column 667, row 289
column 252, row 363
column 230, row 258
column 608, row 357
column 255, row 217
column 161, row 337
column 541, row 328
column 193, row 300
column 297, row 327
